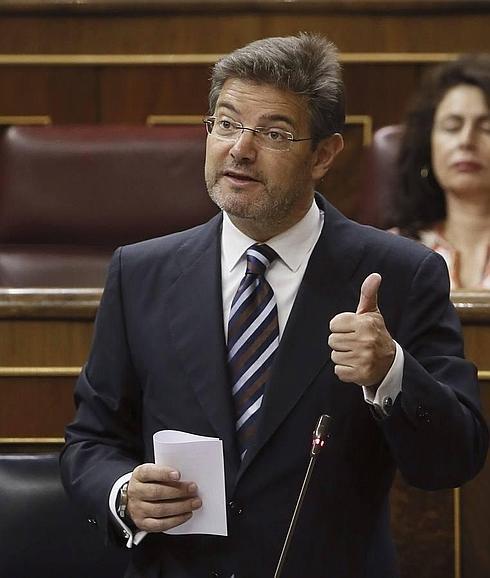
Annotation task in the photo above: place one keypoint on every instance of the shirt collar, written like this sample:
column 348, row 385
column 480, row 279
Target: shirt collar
column 292, row 246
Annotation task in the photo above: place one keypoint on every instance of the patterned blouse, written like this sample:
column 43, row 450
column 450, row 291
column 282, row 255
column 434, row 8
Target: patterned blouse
column 434, row 239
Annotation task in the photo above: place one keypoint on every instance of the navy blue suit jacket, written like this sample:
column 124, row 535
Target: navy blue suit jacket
column 158, row 361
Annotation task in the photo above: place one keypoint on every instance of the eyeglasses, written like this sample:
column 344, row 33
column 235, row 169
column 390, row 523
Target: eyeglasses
column 275, row 139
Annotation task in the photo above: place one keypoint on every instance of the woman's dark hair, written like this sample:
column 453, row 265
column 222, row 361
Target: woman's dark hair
column 419, row 200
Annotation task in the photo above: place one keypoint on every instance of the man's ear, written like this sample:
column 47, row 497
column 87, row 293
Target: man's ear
column 325, row 153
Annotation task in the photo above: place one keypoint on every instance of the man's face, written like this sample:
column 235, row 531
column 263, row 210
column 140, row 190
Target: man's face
column 256, row 186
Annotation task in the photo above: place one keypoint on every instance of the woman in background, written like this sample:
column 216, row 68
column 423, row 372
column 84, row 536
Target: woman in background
column 444, row 169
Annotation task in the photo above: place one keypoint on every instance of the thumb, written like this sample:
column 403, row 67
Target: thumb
column 368, row 300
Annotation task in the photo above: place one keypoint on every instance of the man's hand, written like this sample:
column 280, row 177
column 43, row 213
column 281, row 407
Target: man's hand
column 158, row 500
column 362, row 349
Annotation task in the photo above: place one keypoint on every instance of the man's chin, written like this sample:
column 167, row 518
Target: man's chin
column 239, row 211
column 237, row 204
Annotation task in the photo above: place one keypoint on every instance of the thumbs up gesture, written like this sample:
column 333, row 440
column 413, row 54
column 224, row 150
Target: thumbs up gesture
column 362, row 349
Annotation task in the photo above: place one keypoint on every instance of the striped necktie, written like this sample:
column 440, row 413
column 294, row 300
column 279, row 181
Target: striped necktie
column 253, row 337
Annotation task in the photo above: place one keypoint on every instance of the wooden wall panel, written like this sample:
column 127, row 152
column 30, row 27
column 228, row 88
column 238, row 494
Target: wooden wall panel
column 44, row 342
column 132, row 93
column 474, row 309
column 124, row 93
column 475, row 515
column 381, row 89
column 65, row 94
column 477, row 344
column 35, row 407
column 429, row 516
column 220, row 29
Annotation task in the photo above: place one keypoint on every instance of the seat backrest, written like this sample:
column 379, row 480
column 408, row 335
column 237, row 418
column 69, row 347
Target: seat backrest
column 73, row 193
column 100, row 184
column 41, row 532
column 379, row 175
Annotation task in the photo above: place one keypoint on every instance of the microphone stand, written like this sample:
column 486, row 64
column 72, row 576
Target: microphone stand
column 319, row 436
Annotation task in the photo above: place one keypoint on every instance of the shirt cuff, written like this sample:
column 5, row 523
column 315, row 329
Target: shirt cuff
column 389, row 388
column 133, row 539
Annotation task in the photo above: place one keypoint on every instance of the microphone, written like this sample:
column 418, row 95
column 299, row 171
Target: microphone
column 320, row 436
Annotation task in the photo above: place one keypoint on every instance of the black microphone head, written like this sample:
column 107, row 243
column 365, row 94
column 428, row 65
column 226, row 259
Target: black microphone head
column 321, row 433
column 322, row 427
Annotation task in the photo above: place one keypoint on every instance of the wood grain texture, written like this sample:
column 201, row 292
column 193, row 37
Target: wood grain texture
column 423, row 529
column 475, row 514
column 35, row 407
column 221, row 27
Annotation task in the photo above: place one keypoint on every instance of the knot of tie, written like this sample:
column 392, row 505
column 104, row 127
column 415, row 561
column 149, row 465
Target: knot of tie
column 259, row 257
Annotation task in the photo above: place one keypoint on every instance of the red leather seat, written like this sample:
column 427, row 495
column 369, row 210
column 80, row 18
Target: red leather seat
column 379, row 178
column 70, row 194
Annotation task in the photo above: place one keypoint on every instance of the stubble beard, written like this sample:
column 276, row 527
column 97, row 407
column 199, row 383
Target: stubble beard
column 274, row 205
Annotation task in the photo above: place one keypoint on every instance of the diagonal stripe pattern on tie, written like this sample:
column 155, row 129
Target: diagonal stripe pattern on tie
column 253, row 337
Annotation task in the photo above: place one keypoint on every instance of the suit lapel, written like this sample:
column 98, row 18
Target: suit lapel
column 304, row 350
column 197, row 329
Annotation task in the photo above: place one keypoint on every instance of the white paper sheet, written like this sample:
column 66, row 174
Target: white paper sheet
column 199, row 459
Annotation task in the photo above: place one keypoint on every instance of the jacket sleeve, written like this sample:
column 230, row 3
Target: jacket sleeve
column 104, row 440
column 436, row 432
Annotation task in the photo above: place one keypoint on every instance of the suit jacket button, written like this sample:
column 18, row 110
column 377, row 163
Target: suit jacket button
column 423, row 414
column 92, row 522
column 387, row 404
column 214, row 574
column 235, row 508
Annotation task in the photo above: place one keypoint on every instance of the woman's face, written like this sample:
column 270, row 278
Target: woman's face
column 461, row 142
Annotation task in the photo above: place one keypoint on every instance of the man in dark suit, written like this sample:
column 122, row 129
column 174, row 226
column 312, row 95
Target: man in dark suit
column 249, row 327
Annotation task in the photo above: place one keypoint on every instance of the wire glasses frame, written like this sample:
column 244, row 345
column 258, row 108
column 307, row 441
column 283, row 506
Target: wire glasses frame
column 275, row 139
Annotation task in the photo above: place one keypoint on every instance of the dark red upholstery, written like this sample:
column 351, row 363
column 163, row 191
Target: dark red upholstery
column 32, row 265
column 379, row 175
column 70, row 194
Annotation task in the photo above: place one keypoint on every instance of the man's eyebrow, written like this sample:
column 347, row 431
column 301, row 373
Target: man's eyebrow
column 266, row 118
column 278, row 118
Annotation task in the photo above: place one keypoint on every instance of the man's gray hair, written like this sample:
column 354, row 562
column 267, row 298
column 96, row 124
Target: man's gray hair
column 306, row 64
